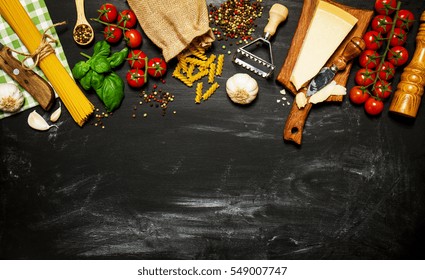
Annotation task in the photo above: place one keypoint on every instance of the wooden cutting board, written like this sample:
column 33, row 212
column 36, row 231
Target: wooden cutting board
column 295, row 122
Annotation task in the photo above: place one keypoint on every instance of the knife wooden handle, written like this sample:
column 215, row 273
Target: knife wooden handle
column 38, row 87
column 408, row 96
column 352, row 49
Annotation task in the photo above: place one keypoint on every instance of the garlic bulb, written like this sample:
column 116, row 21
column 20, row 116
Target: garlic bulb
column 242, row 88
column 37, row 122
column 11, row 98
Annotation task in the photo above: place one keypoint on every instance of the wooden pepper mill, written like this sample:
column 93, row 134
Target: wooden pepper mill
column 408, row 96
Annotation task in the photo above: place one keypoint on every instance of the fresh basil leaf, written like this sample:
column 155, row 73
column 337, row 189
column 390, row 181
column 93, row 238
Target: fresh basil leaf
column 112, row 91
column 80, row 69
column 86, row 80
column 97, row 80
column 100, row 64
column 101, row 48
column 117, row 58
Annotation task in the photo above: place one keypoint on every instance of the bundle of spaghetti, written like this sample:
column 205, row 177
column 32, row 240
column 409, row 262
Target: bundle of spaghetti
column 210, row 91
column 72, row 97
column 220, row 64
column 211, row 74
column 198, row 96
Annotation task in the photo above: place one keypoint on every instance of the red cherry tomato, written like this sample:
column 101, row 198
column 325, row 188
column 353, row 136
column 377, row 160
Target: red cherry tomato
column 399, row 37
column 157, row 67
column 382, row 24
column 405, row 19
column 108, row 13
column 385, row 7
column 373, row 106
column 127, row 19
column 364, row 77
column 373, row 40
column 359, row 94
column 382, row 89
column 136, row 59
column 369, row 59
column 398, row 55
column 136, row 78
column 133, row 38
column 112, row 34
column 387, row 71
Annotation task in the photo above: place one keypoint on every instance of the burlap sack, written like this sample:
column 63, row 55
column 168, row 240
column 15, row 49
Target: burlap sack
column 173, row 25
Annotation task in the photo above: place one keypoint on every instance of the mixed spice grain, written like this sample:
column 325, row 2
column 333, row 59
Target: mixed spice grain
column 235, row 19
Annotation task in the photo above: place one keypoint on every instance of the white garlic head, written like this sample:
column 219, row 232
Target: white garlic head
column 242, row 88
column 11, row 98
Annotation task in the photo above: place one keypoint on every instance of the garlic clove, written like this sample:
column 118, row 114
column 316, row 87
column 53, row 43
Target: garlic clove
column 37, row 122
column 56, row 114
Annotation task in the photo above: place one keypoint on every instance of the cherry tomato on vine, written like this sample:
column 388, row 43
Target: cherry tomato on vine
column 136, row 59
column 373, row 106
column 405, row 19
column 398, row 55
column 133, row 38
column 156, row 67
column 373, row 40
column 359, row 94
column 385, row 7
column 127, row 19
column 365, row 77
column 112, row 34
column 382, row 24
column 399, row 37
column 382, row 89
column 136, row 78
column 386, row 71
column 369, row 59
column 108, row 13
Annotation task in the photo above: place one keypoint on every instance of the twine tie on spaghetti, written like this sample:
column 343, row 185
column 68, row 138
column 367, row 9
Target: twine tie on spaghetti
column 44, row 49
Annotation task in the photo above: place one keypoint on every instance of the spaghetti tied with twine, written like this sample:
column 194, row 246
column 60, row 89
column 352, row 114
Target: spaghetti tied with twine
column 44, row 49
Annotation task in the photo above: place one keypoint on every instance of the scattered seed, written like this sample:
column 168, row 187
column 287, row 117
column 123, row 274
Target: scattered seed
column 235, row 18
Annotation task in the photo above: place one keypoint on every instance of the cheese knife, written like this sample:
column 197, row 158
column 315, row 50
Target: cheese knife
column 34, row 84
column 352, row 49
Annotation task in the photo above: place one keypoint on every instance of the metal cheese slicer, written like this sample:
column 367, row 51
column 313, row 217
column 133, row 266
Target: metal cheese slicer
column 245, row 56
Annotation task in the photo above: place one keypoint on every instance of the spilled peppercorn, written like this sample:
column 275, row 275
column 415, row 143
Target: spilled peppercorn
column 235, row 19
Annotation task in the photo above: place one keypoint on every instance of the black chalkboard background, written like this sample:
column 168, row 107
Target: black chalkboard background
column 215, row 180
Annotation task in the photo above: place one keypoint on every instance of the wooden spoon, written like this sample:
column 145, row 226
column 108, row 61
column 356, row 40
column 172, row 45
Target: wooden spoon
column 83, row 32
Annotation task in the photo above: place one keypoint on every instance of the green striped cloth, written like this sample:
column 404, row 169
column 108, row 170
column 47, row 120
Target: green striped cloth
column 39, row 14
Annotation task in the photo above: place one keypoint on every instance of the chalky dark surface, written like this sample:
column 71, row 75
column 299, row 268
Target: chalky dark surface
column 214, row 180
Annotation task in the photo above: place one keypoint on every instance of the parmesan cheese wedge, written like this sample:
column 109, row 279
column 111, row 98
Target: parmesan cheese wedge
column 331, row 89
column 328, row 28
column 301, row 100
